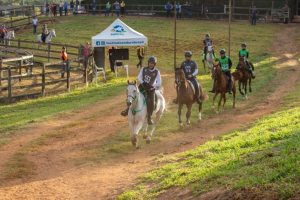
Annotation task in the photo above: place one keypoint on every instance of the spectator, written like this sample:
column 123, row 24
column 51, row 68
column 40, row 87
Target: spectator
column 285, row 10
column 168, row 8
column 141, row 54
column 107, row 8
column 64, row 58
column 178, row 10
column 76, row 6
column 253, row 15
column 34, row 24
column 72, row 6
column 54, row 9
column 66, row 8
column 47, row 8
column 122, row 8
column 117, row 8
column 61, row 7
column 86, row 54
column 111, row 59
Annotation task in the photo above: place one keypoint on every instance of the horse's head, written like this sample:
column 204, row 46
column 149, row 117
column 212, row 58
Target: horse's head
column 53, row 33
column 242, row 63
column 217, row 68
column 132, row 92
column 179, row 76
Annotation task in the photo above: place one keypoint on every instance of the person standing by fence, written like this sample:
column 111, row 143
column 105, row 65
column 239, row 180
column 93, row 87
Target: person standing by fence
column 72, row 6
column 86, row 55
column 253, row 15
column 66, row 8
column 141, row 54
column 34, row 24
column 122, row 8
column 64, row 57
column 178, row 10
column 107, row 8
column 168, row 8
column 61, row 6
column 117, row 8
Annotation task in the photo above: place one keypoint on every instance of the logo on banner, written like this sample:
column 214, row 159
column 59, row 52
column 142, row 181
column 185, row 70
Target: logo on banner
column 118, row 30
column 100, row 43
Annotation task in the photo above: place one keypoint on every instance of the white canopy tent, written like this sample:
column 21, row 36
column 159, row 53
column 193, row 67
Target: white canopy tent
column 119, row 34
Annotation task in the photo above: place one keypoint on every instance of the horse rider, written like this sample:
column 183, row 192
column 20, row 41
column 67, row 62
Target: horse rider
column 3, row 31
column 207, row 42
column 190, row 69
column 244, row 53
column 226, row 64
column 45, row 32
column 150, row 80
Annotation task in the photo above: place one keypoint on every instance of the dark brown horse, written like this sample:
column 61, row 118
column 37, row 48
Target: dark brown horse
column 243, row 77
column 221, row 85
column 185, row 96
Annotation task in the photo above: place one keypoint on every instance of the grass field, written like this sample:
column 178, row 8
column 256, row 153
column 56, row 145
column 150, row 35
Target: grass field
column 263, row 158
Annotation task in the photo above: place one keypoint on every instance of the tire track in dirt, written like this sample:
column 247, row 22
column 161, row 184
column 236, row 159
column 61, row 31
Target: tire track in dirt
column 108, row 179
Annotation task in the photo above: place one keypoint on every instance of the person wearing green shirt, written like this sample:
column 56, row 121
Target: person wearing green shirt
column 107, row 8
column 226, row 64
column 244, row 53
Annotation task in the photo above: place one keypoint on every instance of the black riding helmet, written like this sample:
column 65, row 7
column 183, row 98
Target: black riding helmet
column 243, row 45
column 152, row 59
column 222, row 51
column 188, row 54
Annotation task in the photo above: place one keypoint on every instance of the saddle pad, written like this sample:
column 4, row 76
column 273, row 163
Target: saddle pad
column 192, row 86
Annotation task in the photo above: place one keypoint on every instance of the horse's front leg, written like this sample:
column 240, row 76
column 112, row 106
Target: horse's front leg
column 145, row 129
column 250, row 80
column 246, row 83
column 200, row 111
column 219, row 104
column 240, row 89
column 179, row 114
column 188, row 113
column 214, row 98
column 224, row 100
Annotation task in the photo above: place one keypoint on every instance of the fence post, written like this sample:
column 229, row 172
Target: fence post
column 19, row 43
column 20, row 70
column 68, row 76
column 49, row 46
column 43, row 80
column 9, row 86
column 0, row 72
column 85, row 66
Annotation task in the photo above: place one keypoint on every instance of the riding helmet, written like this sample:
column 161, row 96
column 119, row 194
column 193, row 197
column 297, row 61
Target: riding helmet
column 152, row 59
column 188, row 54
column 222, row 51
column 244, row 45
column 207, row 35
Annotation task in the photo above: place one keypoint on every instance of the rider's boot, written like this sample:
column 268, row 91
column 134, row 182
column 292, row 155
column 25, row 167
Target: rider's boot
column 124, row 113
column 229, row 89
column 213, row 90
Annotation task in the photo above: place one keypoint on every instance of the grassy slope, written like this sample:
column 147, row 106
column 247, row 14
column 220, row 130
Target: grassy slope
column 265, row 156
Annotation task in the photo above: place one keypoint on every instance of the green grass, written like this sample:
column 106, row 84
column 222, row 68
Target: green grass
column 265, row 155
column 17, row 115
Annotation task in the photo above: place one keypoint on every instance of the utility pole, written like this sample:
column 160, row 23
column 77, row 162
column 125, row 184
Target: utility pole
column 229, row 27
column 175, row 35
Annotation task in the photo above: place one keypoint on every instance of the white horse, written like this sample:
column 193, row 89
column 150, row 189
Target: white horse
column 49, row 37
column 137, row 115
column 8, row 36
column 209, row 59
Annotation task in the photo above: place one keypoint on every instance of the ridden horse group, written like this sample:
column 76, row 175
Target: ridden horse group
column 138, row 111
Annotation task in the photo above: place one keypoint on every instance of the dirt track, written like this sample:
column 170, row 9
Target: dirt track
column 56, row 176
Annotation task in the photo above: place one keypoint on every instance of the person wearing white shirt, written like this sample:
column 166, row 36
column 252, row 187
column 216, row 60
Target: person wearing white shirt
column 34, row 24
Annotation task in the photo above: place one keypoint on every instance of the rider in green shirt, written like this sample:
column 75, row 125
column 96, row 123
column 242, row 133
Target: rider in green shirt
column 245, row 54
column 226, row 65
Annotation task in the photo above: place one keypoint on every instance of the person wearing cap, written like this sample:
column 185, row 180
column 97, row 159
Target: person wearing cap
column 226, row 64
column 190, row 69
column 150, row 80
column 244, row 53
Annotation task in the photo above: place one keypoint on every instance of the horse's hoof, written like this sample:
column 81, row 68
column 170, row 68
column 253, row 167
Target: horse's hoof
column 137, row 147
column 180, row 124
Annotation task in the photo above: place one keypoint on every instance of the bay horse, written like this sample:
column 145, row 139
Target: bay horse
column 221, row 85
column 137, row 115
column 243, row 77
column 186, row 96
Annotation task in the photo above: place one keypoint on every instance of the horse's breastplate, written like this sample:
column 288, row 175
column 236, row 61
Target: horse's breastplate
column 149, row 76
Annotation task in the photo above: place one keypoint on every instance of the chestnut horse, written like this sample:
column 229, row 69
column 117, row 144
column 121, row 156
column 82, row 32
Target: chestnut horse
column 185, row 96
column 243, row 77
column 221, row 84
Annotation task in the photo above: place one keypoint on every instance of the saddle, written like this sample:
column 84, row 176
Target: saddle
column 192, row 86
